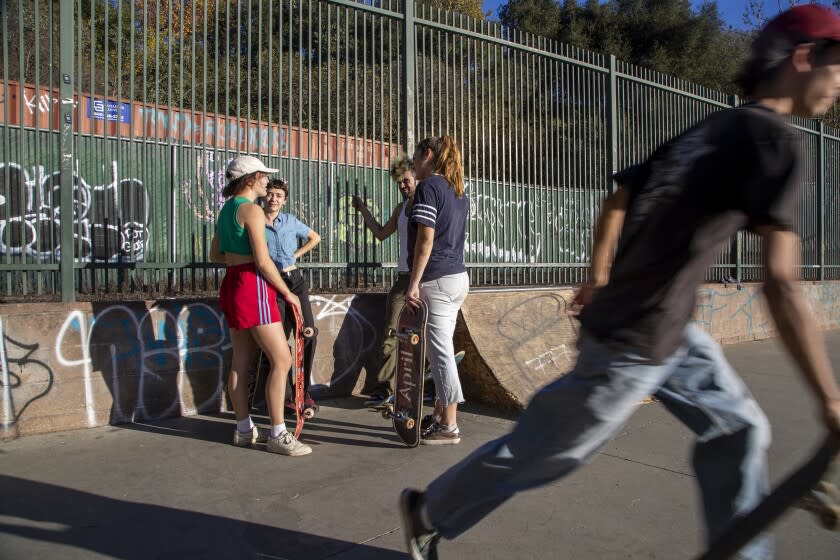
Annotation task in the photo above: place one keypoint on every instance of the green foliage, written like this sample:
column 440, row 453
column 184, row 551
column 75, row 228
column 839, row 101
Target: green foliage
column 664, row 35
column 470, row 8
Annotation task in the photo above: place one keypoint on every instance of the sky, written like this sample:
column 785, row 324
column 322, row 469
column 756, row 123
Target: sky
column 732, row 11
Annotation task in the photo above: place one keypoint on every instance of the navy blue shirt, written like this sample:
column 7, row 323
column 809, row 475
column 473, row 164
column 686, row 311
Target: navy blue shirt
column 436, row 206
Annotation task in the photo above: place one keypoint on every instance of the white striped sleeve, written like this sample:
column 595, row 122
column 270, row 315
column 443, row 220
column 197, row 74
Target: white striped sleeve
column 424, row 214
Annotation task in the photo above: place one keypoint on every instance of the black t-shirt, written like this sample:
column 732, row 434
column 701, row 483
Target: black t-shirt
column 737, row 168
column 435, row 205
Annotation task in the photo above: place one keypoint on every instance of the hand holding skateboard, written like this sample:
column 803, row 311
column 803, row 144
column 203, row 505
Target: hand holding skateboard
column 806, row 488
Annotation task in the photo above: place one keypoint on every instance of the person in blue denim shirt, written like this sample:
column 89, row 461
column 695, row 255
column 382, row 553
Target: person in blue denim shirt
column 736, row 169
column 284, row 232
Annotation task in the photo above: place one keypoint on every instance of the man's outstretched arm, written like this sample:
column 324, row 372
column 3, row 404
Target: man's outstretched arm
column 796, row 325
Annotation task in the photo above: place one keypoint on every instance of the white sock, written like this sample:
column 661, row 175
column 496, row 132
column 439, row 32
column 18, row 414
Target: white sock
column 277, row 429
column 245, row 425
column 449, row 429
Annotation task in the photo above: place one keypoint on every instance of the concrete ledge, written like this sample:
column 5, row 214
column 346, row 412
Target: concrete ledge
column 67, row 366
column 517, row 342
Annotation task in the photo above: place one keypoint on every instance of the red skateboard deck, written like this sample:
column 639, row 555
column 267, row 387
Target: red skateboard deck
column 297, row 366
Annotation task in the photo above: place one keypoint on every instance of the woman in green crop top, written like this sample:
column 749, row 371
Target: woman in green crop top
column 248, row 298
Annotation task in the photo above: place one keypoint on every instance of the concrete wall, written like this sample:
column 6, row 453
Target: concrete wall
column 67, row 366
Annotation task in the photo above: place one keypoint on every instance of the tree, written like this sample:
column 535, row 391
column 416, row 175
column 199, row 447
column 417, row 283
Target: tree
column 540, row 17
column 470, row 8
column 664, row 35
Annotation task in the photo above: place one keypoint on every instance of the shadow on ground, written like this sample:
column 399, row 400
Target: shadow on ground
column 129, row 530
column 218, row 428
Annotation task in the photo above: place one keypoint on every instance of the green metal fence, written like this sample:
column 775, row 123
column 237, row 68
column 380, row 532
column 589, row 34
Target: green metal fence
column 117, row 119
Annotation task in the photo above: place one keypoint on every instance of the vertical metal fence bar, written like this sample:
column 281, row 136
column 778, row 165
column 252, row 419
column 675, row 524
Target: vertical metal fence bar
column 612, row 123
column 68, row 293
column 821, row 200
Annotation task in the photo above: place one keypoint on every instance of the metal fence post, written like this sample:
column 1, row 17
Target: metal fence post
column 409, row 52
column 739, row 235
column 612, row 117
column 67, row 255
column 821, row 201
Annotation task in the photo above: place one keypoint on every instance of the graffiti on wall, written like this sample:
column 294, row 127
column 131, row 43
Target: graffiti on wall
column 203, row 192
column 20, row 361
column 356, row 341
column 722, row 307
column 524, row 226
column 154, row 363
column 111, row 220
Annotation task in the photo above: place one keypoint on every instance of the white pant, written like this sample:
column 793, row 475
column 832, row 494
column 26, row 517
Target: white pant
column 444, row 297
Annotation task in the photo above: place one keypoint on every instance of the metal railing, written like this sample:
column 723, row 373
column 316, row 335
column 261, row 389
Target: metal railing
column 117, row 119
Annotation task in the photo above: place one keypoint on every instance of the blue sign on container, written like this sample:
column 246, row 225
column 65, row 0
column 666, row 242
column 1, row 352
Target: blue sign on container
column 105, row 109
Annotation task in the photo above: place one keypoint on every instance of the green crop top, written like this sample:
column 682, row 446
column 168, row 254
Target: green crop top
column 232, row 237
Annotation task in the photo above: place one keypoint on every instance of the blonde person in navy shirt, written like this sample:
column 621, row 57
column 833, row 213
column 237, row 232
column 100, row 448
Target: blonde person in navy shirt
column 283, row 233
column 436, row 234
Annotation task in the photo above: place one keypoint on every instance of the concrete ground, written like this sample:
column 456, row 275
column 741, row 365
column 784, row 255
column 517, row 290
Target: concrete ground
column 176, row 489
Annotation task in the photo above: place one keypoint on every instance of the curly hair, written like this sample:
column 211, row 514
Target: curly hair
column 400, row 167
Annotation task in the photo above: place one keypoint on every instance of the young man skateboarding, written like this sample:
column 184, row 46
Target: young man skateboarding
column 738, row 168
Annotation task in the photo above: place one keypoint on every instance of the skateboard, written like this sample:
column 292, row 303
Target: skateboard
column 387, row 406
column 257, row 385
column 411, row 359
column 297, row 366
column 806, row 488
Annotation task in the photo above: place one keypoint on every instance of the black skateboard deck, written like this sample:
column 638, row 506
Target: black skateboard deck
column 805, row 488
column 411, row 361
column 388, row 404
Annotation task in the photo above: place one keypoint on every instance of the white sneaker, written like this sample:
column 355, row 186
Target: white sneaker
column 286, row 444
column 244, row 439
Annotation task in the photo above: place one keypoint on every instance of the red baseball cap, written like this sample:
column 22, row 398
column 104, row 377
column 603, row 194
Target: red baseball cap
column 806, row 22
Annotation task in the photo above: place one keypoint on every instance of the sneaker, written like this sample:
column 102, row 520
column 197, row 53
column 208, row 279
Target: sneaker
column 437, row 436
column 377, row 399
column 427, row 422
column 286, row 444
column 421, row 543
column 244, row 439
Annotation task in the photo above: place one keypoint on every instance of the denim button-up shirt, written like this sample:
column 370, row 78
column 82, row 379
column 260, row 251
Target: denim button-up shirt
column 282, row 236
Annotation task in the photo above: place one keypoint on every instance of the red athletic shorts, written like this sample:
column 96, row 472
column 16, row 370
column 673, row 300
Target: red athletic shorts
column 247, row 299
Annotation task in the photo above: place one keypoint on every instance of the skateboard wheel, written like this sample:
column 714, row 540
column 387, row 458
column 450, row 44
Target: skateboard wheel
column 386, row 414
column 308, row 332
column 409, row 423
column 309, row 413
column 415, row 339
column 829, row 489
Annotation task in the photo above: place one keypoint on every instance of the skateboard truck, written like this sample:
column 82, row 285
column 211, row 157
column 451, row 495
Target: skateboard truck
column 824, row 502
column 412, row 337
